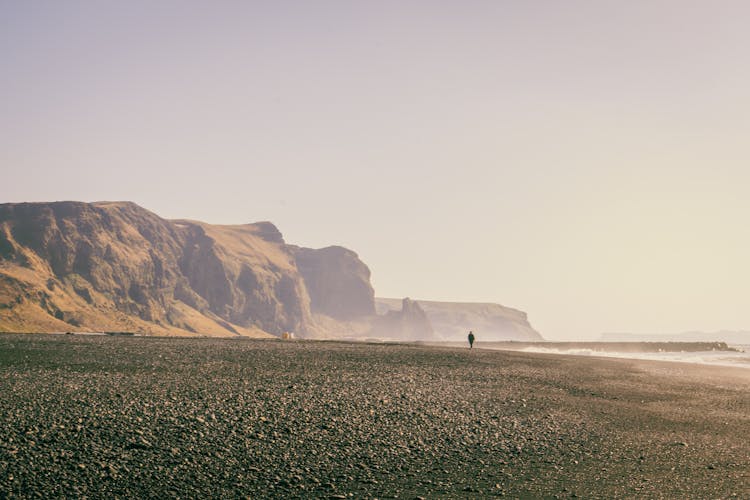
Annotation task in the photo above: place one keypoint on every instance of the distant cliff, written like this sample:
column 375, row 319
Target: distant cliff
column 451, row 321
column 70, row 266
column 116, row 267
column 337, row 281
column 409, row 323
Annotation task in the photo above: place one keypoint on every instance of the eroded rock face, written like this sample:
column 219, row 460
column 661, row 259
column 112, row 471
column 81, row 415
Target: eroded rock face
column 410, row 323
column 245, row 275
column 452, row 321
column 337, row 281
column 117, row 266
column 114, row 266
column 124, row 253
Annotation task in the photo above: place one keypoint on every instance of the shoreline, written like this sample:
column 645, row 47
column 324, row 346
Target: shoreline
column 720, row 355
column 599, row 350
column 620, row 347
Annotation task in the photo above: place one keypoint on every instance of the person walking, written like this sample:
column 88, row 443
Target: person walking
column 471, row 339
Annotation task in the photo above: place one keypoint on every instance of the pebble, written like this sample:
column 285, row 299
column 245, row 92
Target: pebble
column 330, row 421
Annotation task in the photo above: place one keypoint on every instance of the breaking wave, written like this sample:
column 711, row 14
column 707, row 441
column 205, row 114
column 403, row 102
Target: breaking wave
column 741, row 358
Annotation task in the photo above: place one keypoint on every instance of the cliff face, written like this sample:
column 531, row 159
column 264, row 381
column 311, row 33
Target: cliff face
column 337, row 281
column 408, row 324
column 452, row 321
column 115, row 266
column 71, row 266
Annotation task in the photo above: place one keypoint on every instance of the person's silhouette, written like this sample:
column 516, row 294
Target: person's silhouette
column 471, row 340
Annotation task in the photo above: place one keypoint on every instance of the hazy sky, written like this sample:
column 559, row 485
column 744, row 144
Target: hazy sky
column 585, row 161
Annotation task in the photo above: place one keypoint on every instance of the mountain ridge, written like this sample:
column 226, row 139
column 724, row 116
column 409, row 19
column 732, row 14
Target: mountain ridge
column 116, row 267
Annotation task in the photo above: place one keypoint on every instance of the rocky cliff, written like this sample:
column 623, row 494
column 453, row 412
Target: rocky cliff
column 451, row 321
column 71, row 266
column 410, row 323
column 116, row 267
column 337, row 281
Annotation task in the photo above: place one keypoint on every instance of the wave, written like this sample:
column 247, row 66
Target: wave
column 741, row 358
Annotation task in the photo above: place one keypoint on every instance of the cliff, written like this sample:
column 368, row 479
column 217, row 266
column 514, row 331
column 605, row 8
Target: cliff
column 116, row 267
column 451, row 321
column 337, row 281
column 410, row 323
column 71, row 266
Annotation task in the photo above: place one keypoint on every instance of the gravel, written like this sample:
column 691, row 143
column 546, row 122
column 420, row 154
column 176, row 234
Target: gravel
column 104, row 417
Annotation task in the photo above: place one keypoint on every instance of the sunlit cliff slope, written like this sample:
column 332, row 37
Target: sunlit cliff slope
column 116, row 267
column 72, row 266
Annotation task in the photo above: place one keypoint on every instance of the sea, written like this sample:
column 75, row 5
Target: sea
column 740, row 358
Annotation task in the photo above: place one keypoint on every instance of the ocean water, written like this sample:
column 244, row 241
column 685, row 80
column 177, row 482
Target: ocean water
column 719, row 358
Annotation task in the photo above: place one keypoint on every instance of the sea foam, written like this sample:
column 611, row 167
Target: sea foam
column 740, row 358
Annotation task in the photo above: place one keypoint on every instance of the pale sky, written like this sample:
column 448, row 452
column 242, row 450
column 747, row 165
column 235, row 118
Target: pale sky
column 587, row 162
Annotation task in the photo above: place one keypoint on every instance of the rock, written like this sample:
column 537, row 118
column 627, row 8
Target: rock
column 337, row 281
column 410, row 323
column 446, row 419
column 117, row 267
column 451, row 321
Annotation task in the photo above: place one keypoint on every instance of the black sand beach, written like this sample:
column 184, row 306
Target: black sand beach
column 106, row 417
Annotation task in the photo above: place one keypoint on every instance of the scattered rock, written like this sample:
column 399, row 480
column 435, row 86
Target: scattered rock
column 445, row 425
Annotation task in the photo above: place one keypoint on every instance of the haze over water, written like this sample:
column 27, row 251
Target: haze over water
column 585, row 162
column 739, row 358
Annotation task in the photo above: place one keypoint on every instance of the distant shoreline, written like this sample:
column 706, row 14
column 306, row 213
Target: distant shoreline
column 512, row 345
column 624, row 347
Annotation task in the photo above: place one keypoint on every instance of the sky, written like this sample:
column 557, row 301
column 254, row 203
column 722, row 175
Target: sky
column 587, row 162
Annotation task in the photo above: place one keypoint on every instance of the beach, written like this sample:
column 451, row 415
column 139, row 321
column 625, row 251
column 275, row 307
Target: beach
column 107, row 417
